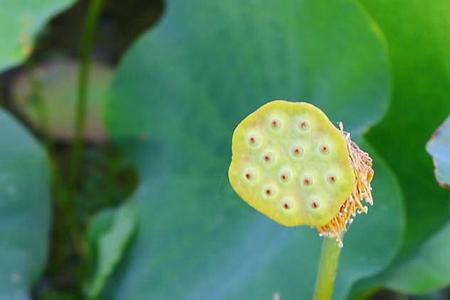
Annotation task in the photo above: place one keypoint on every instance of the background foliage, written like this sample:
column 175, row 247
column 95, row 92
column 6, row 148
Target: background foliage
column 154, row 216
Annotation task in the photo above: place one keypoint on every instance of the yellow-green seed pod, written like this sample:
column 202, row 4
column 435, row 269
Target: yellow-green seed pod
column 291, row 164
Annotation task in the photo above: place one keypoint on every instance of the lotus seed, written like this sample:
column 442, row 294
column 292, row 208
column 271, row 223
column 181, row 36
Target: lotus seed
column 275, row 122
column 249, row 174
column 287, row 204
column 285, row 175
column 332, row 179
column 304, row 125
column 269, row 191
column 324, row 149
column 254, row 140
column 269, row 157
column 297, row 151
column 307, row 181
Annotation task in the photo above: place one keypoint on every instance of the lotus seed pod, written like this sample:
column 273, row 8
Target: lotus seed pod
column 293, row 165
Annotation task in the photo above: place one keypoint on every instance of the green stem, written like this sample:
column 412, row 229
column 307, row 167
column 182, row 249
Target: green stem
column 37, row 98
column 329, row 260
column 87, row 41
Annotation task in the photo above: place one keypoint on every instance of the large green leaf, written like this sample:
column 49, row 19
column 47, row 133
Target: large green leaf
column 179, row 93
column 19, row 23
column 24, row 209
column 409, row 277
column 418, row 40
column 108, row 234
column 428, row 268
column 197, row 240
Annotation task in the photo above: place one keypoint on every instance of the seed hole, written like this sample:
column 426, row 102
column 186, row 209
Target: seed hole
column 303, row 125
column 332, row 179
column 285, row 175
column 297, row 151
column 249, row 175
column 269, row 157
column 324, row 149
column 269, row 191
column 307, row 181
column 253, row 140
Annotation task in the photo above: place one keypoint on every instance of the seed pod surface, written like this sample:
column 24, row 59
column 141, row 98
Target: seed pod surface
column 290, row 163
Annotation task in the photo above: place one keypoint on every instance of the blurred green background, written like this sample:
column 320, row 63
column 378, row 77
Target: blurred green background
column 135, row 203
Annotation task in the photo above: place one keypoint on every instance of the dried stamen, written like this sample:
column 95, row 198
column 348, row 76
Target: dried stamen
column 362, row 167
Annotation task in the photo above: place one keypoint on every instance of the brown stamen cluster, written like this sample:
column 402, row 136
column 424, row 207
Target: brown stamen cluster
column 362, row 166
